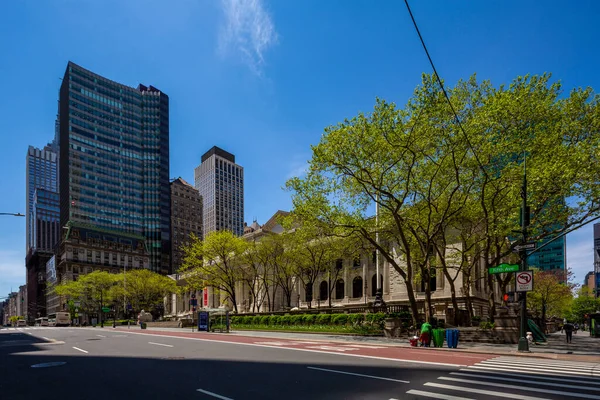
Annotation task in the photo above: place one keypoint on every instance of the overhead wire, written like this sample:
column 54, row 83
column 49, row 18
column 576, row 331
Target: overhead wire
column 443, row 88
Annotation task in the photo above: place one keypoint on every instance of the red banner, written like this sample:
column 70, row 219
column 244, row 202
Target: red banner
column 205, row 295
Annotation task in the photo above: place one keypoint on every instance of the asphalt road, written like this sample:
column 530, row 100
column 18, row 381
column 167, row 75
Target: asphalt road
column 111, row 364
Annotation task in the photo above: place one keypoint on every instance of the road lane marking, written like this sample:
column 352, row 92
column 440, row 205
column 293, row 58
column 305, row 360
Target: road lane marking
column 161, row 344
column 404, row 360
column 355, row 374
column 480, row 391
column 332, row 348
column 44, row 337
column 526, row 381
column 435, row 395
column 101, row 335
column 363, row 346
column 544, row 377
column 81, row 350
column 218, row 396
column 529, row 389
column 529, row 372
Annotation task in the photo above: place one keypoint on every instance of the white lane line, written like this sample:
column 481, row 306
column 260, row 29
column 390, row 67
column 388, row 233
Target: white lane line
column 363, row 346
column 161, row 344
column 435, row 395
column 218, row 396
column 480, row 391
column 526, row 381
column 520, row 387
column 354, row 374
column 555, row 378
column 81, row 350
column 402, row 360
column 44, row 337
column 100, row 335
column 538, row 361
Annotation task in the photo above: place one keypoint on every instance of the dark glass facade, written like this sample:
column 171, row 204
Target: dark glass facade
column 114, row 159
column 46, row 220
column 550, row 257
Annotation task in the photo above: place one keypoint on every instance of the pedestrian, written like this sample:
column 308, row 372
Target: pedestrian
column 568, row 328
column 426, row 331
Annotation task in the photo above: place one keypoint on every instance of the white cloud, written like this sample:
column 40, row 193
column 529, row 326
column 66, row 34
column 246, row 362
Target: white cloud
column 298, row 167
column 12, row 271
column 248, row 30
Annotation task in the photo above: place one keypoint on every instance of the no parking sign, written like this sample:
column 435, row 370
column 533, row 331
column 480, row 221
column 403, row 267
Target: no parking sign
column 524, row 281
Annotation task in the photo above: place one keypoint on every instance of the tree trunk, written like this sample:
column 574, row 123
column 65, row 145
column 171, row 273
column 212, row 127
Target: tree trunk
column 452, row 293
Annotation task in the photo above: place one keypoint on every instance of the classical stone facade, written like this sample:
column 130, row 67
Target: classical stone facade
column 85, row 249
column 186, row 218
column 357, row 284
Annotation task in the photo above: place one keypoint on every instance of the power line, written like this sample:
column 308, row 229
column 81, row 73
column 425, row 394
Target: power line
column 442, row 86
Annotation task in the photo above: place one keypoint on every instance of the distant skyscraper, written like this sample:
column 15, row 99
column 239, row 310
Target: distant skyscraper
column 45, row 220
column 41, row 172
column 114, row 159
column 220, row 182
column 186, row 218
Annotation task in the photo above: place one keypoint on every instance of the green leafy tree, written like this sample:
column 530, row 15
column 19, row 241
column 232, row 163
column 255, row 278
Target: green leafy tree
column 584, row 304
column 146, row 290
column 216, row 260
column 551, row 295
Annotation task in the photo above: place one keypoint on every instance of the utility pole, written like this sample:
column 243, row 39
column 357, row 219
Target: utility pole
column 523, row 343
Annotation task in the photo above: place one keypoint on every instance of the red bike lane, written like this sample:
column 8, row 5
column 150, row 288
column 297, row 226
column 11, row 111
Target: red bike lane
column 370, row 350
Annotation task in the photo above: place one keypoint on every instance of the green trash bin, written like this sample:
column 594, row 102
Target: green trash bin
column 143, row 325
column 438, row 337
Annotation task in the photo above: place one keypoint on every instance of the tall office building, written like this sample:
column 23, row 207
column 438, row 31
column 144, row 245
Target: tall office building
column 186, row 218
column 41, row 172
column 220, row 182
column 42, row 225
column 114, row 161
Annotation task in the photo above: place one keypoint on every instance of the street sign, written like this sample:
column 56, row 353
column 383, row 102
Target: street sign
column 524, row 246
column 503, row 268
column 105, row 309
column 524, row 281
column 203, row 321
column 194, row 302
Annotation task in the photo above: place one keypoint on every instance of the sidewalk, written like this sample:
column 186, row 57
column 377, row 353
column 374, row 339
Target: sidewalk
column 583, row 348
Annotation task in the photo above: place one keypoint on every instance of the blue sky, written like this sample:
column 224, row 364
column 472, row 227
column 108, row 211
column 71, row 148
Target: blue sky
column 261, row 79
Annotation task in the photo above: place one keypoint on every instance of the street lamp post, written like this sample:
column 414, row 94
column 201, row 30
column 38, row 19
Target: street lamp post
column 523, row 343
column 13, row 214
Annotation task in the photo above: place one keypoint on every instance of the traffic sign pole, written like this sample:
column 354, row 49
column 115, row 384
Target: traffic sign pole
column 523, row 343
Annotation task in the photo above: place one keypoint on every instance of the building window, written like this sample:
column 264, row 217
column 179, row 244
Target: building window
column 323, row 290
column 339, row 289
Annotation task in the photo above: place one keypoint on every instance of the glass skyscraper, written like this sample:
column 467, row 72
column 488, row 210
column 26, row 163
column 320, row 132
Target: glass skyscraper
column 114, row 159
column 550, row 257
column 41, row 173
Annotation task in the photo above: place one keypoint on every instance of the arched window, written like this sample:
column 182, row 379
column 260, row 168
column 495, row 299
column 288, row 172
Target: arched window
column 357, row 287
column 374, row 283
column 339, row 289
column 323, row 290
column 308, row 295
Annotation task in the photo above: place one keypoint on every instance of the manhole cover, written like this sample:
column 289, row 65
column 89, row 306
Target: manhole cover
column 48, row 364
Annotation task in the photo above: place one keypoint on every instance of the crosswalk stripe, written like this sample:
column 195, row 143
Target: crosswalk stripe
column 538, row 361
column 436, row 395
column 530, row 372
column 520, row 375
column 504, row 367
column 527, row 381
column 529, row 389
column 481, row 391
column 553, row 366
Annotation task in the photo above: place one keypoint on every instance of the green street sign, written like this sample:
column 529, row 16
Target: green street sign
column 105, row 309
column 503, row 268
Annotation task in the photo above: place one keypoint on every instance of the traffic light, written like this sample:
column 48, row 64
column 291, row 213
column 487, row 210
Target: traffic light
column 510, row 297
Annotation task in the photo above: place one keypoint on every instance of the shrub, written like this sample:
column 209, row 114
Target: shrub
column 356, row 319
column 486, row 325
column 285, row 319
column 323, row 319
column 309, row 319
column 247, row 320
column 296, row 319
column 264, row 320
column 339, row 319
column 274, row 320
